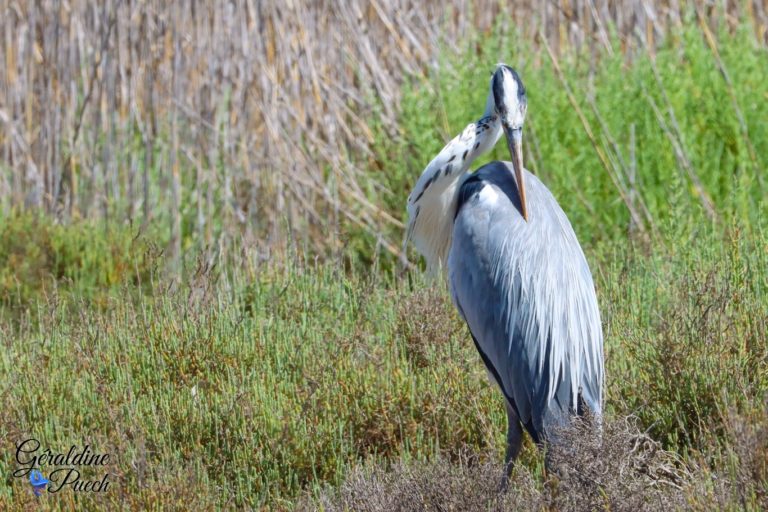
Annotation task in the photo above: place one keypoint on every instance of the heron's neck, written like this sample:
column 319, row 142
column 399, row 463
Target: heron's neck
column 432, row 203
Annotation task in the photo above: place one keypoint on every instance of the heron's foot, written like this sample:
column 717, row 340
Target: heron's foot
column 504, row 484
column 514, row 443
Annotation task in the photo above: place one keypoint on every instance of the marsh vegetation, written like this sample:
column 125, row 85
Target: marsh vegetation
column 200, row 264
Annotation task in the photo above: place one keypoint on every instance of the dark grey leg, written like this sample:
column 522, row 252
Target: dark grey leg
column 514, row 442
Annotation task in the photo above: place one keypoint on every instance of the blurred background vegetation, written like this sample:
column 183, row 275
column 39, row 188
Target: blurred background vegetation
column 201, row 217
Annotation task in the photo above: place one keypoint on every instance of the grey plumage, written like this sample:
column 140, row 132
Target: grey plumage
column 526, row 293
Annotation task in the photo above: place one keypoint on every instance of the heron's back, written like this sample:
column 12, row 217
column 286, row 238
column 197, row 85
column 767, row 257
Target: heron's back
column 526, row 293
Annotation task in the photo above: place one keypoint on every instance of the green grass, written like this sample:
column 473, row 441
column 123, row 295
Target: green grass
column 307, row 371
column 560, row 152
column 256, row 385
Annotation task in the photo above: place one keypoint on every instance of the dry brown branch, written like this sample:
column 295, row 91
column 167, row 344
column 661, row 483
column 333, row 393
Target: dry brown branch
column 622, row 470
column 272, row 101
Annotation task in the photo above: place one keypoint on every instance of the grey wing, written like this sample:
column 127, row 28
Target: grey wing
column 526, row 293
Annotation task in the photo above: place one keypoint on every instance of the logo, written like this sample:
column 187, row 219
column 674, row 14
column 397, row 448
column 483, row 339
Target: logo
column 38, row 482
column 64, row 471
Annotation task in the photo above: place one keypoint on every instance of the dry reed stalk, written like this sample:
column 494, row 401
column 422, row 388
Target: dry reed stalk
column 253, row 115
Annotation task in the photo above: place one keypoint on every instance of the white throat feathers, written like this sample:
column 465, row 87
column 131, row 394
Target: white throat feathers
column 432, row 203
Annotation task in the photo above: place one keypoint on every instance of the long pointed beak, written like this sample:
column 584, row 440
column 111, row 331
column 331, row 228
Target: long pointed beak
column 514, row 138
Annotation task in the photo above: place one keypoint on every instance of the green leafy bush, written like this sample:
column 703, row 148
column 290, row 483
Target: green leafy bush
column 39, row 258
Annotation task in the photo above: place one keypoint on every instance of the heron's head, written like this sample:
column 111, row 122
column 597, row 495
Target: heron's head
column 511, row 105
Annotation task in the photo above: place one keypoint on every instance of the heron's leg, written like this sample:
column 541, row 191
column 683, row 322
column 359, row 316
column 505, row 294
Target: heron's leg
column 549, row 467
column 514, row 442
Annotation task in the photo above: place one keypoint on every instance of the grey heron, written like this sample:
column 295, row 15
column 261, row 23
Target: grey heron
column 516, row 272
